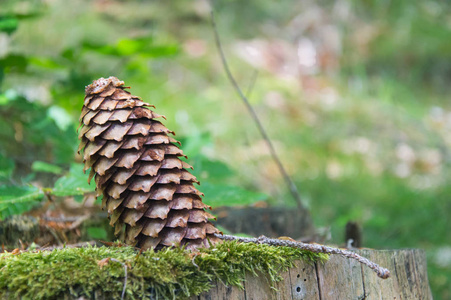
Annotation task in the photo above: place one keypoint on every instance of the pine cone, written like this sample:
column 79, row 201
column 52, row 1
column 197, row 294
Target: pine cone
column 148, row 192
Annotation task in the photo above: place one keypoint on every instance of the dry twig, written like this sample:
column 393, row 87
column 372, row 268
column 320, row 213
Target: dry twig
column 293, row 189
column 317, row 248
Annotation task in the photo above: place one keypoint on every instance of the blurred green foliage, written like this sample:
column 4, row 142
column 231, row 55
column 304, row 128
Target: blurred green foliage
column 39, row 137
column 15, row 200
column 75, row 182
column 365, row 134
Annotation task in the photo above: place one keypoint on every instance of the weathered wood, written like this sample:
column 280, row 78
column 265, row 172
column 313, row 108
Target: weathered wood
column 258, row 288
column 380, row 289
column 339, row 278
column 220, row 291
column 304, row 282
column 422, row 273
column 284, row 287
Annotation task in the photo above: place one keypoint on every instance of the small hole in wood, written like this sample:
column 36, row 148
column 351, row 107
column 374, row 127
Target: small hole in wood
column 298, row 289
column 299, row 275
column 305, row 279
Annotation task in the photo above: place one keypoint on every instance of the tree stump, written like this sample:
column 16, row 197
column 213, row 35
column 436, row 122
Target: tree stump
column 270, row 221
column 339, row 278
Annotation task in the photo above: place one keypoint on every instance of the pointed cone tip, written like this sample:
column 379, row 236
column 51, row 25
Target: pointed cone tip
column 99, row 85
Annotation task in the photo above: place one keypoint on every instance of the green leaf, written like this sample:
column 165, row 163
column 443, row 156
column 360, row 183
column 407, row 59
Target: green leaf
column 40, row 166
column 74, row 183
column 195, row 142
column 3, row 99
column 162, row 51
column 7, row 96
column 45, row 62
column 8, row 24
column 16, row 200
column 17, row 62
column 228, row 195
column 214, row 170
column 126, row 47
column 60, row 116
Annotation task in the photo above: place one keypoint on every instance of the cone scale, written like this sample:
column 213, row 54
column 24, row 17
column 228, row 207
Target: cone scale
column 147, row 190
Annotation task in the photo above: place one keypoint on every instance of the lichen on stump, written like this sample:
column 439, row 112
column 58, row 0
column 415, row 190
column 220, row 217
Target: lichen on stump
column 147, row 190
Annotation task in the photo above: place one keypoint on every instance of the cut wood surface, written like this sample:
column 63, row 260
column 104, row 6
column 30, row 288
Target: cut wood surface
column 339, row 278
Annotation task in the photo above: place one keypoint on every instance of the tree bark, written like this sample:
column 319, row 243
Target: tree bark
column 270, row 221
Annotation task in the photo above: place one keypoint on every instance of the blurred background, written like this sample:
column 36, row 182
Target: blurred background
column 355, row 96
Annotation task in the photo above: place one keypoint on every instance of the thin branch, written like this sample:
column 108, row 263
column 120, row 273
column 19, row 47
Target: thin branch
column 250, row 88
column 317, row 248
column 293, row 189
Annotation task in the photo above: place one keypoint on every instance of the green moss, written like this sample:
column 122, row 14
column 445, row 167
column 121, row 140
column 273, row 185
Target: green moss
column 169, row 273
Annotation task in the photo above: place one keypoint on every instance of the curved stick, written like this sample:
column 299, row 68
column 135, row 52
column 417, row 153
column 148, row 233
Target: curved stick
column 317, row 248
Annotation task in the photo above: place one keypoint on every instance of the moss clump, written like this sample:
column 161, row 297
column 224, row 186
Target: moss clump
column 170, row 273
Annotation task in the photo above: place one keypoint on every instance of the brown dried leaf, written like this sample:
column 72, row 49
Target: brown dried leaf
column 103, row 262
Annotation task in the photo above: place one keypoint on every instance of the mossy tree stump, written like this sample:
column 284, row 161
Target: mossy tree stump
column 339, row 278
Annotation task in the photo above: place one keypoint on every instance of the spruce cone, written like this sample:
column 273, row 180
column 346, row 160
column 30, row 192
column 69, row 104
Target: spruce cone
column 148, row 192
